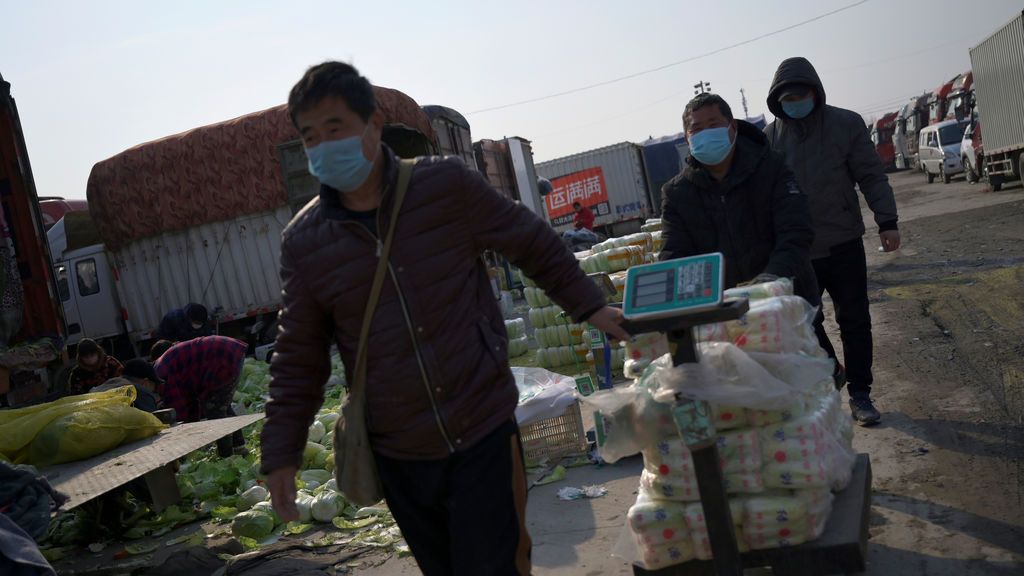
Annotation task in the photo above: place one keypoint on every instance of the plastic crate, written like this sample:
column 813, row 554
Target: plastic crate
column 555, row 438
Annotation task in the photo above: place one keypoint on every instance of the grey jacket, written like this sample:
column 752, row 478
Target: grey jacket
column 830, row 152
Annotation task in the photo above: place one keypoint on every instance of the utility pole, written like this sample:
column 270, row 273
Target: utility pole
column 743, row 94
column 701, row 87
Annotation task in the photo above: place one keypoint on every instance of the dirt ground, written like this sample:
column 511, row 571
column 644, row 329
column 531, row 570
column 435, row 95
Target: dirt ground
column 948, row 457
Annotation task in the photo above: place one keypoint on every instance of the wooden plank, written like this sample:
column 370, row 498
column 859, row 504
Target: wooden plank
column 841, row 549
column 86, row 479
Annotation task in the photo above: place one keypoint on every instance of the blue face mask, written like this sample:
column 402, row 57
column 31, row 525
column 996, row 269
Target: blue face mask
column 799, row 109
column 340, row 164
column 711, row 146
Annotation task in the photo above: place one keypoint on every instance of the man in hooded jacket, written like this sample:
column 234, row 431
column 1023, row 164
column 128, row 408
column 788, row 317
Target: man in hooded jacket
column 830, row 151
column 737, row 197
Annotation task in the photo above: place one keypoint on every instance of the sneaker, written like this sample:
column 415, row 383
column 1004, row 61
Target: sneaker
column 839, row 376
column 863, row 411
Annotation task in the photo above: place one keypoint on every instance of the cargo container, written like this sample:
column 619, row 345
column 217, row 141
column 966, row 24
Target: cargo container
column 998, row 66
column 31, row 319
column 197, row 217
column 663, row 159
column 610, row 181
column 508, row 167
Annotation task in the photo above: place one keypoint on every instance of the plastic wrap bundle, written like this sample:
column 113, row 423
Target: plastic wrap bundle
column 547, row 316
column 568, row 356
column 613, row 260
column 784, row 519
column 644, row 349
column 658, row 242
column 659, row 531
column 783, row 439
column 698, row 527
column 812, row 451
column 516, row 328
column 535, row 297
column 619, row 281
column 642, row 240
column 560, row 335
column 783, row 324
column 652, row 225
column 518, row 346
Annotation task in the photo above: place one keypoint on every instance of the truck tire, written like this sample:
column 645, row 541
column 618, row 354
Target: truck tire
column 946, row 178
column 996, row 183
column 931, row 177
column 1020, row 166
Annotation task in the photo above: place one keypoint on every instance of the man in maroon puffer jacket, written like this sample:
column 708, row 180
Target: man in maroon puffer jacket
column 440, row 395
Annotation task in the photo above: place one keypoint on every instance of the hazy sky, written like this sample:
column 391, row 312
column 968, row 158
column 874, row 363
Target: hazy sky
column 94, row 78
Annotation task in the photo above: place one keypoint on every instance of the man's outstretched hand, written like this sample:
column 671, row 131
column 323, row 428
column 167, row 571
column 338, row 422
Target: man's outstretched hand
column 282, row 492
column 609, row 320
column 890, row 240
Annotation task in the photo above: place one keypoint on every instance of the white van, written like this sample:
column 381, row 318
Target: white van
column 940, row 149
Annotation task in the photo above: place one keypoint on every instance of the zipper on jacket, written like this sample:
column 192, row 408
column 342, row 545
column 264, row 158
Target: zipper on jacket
column 412, row 333
column 419, row 360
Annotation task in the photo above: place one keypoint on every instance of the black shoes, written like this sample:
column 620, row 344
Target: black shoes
column 863, row 411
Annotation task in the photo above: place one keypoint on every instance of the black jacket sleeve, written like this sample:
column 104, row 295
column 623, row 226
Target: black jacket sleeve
column 794, row 231
column 676, row 241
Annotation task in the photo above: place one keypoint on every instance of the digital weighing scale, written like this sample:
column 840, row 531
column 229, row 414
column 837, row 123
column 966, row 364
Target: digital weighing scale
column 674, row 287
column 674, row 297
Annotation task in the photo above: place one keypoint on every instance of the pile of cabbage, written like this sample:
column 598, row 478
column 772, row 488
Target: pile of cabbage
column 233, row 493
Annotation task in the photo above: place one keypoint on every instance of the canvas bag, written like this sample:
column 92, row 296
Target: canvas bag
column 355, row 466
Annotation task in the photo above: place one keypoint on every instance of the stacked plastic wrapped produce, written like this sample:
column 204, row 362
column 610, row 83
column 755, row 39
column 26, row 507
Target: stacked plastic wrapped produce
column 518, row 342
column 784, row 441
column 652, row 225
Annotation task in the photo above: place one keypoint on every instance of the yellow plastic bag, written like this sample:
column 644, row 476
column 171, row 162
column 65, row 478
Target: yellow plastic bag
column 90, row 432
column 20, row 426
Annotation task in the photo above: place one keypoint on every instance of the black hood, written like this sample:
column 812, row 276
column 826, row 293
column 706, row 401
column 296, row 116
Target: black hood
column 794, row 71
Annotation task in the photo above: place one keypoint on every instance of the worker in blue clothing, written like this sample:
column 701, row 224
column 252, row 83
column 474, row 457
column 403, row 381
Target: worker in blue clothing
column 188, row 323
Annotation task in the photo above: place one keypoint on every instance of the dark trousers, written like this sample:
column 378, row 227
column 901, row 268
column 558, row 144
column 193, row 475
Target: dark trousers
column 844, row 275
column 465, row 514
column 218, row 406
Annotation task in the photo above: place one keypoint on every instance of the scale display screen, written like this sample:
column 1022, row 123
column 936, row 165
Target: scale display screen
column 674, row 287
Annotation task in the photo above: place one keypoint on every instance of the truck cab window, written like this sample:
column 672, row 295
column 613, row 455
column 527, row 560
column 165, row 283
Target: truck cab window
column 88, row 280
column 62, row 283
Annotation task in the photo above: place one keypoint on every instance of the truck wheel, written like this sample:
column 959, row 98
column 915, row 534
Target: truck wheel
column 931, row 177
column 996, row 183
column 946, row 178
column 1020, row 166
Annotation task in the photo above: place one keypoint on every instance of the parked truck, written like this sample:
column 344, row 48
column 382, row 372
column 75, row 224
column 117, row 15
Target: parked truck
column 882, row 131
column 610, row 181
column 958, row 103
column 937, row 102
column 998, row 66
column 909, row 122
column 31, row 320
column 197, row 217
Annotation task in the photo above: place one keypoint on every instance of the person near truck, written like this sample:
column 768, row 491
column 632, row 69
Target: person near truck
column 181, row 324
column 440, row 395
column 200, row 377
column 584, row 218
column 141, row 375
column 92, row 368
column 735, row 196
column 830, row 151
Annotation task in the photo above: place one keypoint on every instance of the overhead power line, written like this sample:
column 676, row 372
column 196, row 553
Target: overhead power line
column 671, row 64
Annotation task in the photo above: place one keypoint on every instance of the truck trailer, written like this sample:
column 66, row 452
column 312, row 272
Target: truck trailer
column 998, row 66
